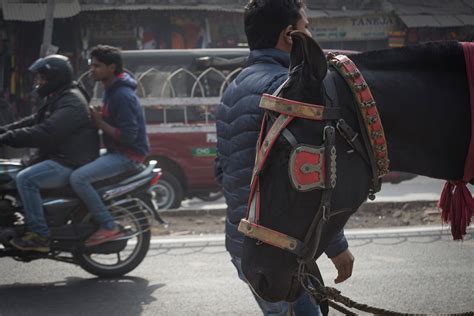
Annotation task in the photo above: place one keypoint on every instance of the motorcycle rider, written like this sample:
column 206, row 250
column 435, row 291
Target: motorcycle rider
column 66, row 139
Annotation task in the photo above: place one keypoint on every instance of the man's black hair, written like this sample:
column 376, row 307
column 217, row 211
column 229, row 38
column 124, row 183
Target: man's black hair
column 265, row 19
column 108, row 55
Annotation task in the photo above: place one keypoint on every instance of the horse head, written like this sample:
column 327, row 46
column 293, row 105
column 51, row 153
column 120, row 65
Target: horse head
column 271, row 271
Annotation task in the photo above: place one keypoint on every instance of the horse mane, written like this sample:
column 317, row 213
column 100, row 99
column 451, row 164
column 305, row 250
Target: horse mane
column 431, row 56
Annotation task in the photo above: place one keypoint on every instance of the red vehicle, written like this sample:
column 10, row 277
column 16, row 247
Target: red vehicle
column 179, row 90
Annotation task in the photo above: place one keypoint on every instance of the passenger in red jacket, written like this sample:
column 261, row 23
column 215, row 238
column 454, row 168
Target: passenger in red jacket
column 124, row 137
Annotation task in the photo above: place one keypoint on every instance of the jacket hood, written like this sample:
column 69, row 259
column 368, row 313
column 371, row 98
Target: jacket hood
column 123, row 80
column 269, row 55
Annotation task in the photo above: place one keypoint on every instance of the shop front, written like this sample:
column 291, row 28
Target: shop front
column 424, row 28
column 129, row 27
column 359, row 33
column 159, row 29
column 22, row 35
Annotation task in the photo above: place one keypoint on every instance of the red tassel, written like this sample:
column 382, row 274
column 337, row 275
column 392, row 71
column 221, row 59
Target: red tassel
column 457, row 207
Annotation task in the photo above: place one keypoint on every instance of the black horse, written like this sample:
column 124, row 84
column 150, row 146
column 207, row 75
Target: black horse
column 422, row 96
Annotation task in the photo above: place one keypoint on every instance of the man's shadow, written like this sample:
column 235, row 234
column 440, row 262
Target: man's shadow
column 77, row 296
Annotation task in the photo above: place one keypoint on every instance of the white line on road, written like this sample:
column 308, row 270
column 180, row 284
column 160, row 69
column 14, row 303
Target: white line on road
column 397, row 230
column 188, row 239
column 350, row 234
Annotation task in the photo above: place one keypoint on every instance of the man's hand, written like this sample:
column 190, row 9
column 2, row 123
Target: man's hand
column 344, row 262
column 95, row 116
column 100, row 123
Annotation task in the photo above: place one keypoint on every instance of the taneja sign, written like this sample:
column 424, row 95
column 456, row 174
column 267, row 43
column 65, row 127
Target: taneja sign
column 353, row 28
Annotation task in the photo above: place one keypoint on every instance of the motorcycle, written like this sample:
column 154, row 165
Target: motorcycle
column 128, row 199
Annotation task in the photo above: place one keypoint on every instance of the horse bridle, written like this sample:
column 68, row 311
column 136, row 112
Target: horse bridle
column 372, row 148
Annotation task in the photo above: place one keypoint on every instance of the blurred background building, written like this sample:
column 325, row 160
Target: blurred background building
column 151, row 24
column 376, row 24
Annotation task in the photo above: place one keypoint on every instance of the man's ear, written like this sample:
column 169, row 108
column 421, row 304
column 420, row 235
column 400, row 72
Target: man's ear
column 306, row 50
column 285, row 38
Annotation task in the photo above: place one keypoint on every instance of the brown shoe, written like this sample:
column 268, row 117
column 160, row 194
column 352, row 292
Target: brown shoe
column 103, row 235
column 31, row 242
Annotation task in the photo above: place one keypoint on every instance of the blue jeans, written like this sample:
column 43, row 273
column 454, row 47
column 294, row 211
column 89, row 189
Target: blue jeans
column 47, row 174
column 102, row 168
column 301, row 307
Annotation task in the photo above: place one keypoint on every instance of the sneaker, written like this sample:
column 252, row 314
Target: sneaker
column 103, row 235
column 31, row 242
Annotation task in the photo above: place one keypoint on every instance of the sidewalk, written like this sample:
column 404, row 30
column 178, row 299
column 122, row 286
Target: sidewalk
column 351, row 234
column 418, row 192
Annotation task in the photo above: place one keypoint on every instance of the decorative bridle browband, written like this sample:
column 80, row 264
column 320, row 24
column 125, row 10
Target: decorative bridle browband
column 374, row 138
column 314, row 167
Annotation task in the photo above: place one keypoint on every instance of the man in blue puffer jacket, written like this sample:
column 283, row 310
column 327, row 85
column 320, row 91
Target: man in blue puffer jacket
column 267, row 26
column 124, row 136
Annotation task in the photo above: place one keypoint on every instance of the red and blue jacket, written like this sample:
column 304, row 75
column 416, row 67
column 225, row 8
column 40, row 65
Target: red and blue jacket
column 122, row 110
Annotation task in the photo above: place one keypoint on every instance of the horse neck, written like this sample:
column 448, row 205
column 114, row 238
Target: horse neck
column 423, row 99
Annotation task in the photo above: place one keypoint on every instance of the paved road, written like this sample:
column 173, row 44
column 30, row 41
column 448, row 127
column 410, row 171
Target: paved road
column 411, row 271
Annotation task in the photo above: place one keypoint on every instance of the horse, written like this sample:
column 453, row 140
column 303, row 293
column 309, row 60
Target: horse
column 422, row 97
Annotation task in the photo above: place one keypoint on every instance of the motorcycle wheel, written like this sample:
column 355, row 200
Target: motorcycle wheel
column 167, row 192
column 117, row 264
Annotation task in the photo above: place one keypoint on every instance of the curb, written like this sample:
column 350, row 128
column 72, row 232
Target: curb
column 351, row 234
column 194, row 211
column 367, row 206
column 397, row 205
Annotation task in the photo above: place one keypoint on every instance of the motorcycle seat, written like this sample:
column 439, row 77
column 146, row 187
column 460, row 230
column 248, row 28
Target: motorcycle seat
column 68, row 192
column 119, row 178
column 5, row 178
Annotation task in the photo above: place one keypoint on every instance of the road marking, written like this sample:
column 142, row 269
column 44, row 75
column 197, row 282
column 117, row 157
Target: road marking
column 350, row 234
column 188, row 239
column 397, row 230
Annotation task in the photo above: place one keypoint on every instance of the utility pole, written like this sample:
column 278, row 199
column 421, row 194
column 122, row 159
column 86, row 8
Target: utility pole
column 48, row 29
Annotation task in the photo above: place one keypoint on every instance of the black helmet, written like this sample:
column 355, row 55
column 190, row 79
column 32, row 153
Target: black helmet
column 58, row 72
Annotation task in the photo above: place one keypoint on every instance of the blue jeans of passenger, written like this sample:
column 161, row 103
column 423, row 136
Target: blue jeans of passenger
column 104, row 167
column 301, row 307
column 47, row 174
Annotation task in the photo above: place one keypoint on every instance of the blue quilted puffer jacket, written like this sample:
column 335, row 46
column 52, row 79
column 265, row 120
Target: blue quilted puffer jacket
column 238, row 120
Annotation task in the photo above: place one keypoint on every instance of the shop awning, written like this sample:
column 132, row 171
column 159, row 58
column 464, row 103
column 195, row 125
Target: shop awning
column 314, row 14
column 30, row 11
column 422, row 20
column 163, row 7
column 448, row 20
column 466, row 19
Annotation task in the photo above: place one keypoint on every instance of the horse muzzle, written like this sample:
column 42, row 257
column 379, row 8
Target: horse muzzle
column 268, row 274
